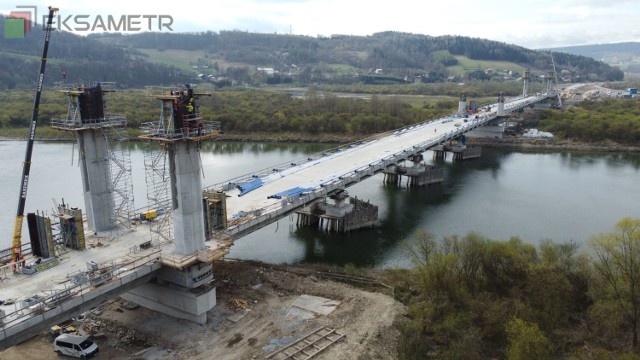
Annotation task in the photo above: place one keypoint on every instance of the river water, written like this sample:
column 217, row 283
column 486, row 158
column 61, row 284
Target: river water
column 563, row 196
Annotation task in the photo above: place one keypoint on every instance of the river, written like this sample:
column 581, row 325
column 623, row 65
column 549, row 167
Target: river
column 563, row 196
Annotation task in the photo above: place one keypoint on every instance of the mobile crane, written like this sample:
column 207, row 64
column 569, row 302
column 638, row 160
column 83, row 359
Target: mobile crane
column 16, row 244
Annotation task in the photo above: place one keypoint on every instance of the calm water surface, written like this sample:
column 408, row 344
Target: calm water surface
column 562, row 196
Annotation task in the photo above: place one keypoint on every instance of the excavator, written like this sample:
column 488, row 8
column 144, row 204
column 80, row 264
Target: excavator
column 16, row 244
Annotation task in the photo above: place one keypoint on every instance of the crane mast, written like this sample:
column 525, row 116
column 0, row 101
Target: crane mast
column 16, row 244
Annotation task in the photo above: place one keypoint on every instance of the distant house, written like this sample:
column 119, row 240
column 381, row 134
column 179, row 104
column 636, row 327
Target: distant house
column 378, row 71
column 266, row 70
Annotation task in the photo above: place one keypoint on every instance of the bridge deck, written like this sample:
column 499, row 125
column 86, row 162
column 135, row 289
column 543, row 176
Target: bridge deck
column 269, row 194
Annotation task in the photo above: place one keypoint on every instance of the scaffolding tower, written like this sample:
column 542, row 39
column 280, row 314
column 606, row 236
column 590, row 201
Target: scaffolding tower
column 87, row 111
column 120, row 169
column 156, row 175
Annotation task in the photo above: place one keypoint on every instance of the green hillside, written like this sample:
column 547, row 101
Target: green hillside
column 466, row 65
column 241, row 58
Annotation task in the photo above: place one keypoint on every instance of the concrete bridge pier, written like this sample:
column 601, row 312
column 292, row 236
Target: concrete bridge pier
column 339, row 216
column 419, row 174
column 183, row 287
column 96, row 180
column 466, row 153
column 460, row 152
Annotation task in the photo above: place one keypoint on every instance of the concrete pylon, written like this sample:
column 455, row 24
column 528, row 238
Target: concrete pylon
column 183, row 287
column 549, row 82
column 96, row 180
column 462, row 105
column 186, row 197
column 500, row 111
column 525, row 87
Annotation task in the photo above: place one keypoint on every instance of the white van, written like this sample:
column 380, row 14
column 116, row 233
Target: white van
column 75, row 345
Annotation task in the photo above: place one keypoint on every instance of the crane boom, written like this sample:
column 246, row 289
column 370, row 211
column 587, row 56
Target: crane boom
column 16, row 244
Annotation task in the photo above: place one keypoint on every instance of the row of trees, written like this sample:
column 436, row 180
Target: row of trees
column 611, row 119
column 474, row 298
column 244, row 111
column 250, row 111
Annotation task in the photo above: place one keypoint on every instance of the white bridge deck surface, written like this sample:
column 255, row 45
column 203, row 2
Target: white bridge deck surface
column 328, row 168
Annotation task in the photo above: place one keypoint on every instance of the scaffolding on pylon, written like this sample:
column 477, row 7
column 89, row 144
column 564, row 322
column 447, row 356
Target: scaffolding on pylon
column 113, row 128
column 120, row 169
column 157, row 178
column 180, row 121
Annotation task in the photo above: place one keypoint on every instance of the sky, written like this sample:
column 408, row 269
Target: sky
column 530, row 23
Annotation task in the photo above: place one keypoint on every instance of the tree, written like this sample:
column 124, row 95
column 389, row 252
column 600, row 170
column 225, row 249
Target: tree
column 526, row 341
column 617, row 261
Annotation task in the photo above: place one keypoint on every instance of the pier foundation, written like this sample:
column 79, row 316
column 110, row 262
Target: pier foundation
column 341, row 216
column 460, row 152
column 185, row 294
column 419, row 174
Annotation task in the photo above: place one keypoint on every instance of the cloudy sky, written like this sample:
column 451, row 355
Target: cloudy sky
column 529, row 23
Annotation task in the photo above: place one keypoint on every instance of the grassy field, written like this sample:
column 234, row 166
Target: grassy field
column 343, row 68
column 34, row 58
column 182, row 59
column 465, row 65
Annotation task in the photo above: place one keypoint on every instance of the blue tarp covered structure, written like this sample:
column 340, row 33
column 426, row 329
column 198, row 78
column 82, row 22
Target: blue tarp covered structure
column 296, row 191
column 249, row 186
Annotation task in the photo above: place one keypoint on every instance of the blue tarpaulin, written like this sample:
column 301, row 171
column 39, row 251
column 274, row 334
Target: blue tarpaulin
column 249, row 186
column 290, row 193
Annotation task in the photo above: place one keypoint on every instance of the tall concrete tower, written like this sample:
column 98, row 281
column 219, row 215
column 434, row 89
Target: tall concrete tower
column 549, row 82
column 462, row 105
column 94, row 128
column 525, row 86
column 500, row 111
column 183, row 288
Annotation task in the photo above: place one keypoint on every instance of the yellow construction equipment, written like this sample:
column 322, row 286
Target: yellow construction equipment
column 16, row 244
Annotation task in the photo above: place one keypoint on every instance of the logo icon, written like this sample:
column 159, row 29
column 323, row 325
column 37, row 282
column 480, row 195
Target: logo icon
column 19, row 22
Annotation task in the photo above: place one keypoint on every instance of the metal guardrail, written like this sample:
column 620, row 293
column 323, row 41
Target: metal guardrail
column 156, row 129
column 107, row 121
column 62, row 300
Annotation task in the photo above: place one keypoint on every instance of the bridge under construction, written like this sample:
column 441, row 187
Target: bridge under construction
column 165, row 262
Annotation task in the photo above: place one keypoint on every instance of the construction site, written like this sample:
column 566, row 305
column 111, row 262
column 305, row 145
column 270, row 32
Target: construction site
column 263, row 311
column 153, row 282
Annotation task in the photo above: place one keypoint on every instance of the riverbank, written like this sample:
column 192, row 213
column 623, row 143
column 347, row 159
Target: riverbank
column 551, row 145
column 515, row 143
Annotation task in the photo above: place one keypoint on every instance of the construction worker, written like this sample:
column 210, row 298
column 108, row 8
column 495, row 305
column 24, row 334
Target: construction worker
column 190, row 106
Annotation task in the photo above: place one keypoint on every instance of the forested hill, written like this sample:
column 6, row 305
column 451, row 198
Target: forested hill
column 394, row 52
column 83, row 60
column 163, row 58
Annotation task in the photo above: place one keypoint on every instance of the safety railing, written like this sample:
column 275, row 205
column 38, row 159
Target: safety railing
column 107, row 121
column 61, row 300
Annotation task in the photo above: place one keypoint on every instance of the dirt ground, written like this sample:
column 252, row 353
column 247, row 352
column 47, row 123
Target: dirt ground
column 263, row 294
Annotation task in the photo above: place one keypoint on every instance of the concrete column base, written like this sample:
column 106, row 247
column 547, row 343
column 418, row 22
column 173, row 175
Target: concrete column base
column 180, row 303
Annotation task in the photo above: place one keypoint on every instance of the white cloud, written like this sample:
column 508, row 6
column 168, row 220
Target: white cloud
column 530, row 23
